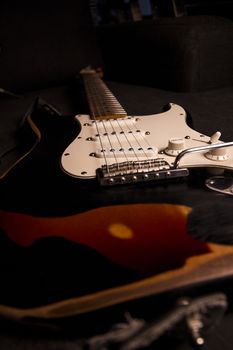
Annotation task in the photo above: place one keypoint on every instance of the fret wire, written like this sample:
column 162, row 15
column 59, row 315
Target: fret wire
column 112, row 104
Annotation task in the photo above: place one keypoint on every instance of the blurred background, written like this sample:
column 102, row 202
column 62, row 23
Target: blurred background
column 117, row 11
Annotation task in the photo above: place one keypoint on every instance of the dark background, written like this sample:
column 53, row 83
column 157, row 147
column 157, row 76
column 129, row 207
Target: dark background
column 43, row 47
column 116, row 11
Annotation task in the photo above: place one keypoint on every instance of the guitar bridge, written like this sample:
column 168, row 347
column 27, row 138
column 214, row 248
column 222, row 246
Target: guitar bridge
column 138, row 171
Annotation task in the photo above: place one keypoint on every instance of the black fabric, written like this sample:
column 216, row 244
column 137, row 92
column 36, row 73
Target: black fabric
column 178, row 54
column 13, row 110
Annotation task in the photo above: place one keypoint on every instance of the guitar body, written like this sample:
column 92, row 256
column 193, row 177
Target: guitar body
column 70, row 246
column 141, row 138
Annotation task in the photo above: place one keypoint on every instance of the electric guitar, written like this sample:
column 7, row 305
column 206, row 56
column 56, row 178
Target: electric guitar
column 118, row 149
column 69, row 246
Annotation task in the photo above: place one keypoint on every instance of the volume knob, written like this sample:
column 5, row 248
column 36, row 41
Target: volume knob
column 218, row 154
column 175, row 146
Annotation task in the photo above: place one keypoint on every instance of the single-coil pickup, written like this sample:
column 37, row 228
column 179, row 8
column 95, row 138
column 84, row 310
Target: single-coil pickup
column 121, row 136
column 114, row 124
column 140, row 152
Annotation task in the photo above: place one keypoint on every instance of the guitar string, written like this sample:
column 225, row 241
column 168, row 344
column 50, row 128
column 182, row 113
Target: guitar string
column 113, row 103
column 139, row 145
column 127, row 127
column 99, row 112
column 116, row 105
column 122, row 132
column 87, row 84
column 148, row 145
column 131, row 147
column 121, row 149
column 105, row 91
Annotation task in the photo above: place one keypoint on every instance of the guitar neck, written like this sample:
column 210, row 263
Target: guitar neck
column 102, row 103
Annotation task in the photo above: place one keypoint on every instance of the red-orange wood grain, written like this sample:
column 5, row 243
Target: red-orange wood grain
column 149, row 238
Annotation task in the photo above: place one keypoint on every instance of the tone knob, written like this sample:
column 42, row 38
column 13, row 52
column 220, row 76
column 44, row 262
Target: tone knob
column 217, row 154
column 175, row 146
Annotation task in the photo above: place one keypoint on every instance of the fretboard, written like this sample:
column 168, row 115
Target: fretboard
column 102, row 103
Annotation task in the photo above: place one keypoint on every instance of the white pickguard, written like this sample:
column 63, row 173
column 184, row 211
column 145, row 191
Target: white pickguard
column 141, row 138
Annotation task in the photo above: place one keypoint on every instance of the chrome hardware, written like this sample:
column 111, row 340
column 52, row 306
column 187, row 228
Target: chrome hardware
column 138, row 171
column 200, row 149
column 222, row 184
